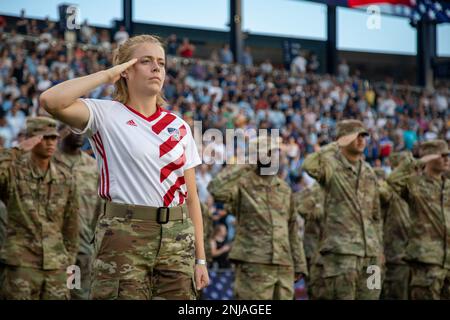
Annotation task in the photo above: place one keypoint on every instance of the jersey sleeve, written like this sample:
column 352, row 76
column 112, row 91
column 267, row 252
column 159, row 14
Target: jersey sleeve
column 97, row 113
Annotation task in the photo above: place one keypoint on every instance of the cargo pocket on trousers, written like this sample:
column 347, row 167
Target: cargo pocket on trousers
column 105, row 289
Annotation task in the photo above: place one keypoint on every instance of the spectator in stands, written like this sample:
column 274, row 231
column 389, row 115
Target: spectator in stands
column 172, row 45
column 266, row 66
column 343, row 70
column 247, row 58
column 15, row 39
column 220, row 247
column 203, row 178
column 60, row 64
column 121, row 35
column 298, row 64
column 105, row 41
column 86, row 32
column 214, row 57
column 225, row 54
column 186, row 50
column 314, row 64
column 16, row 118
column 44, row 83
column 6, row 133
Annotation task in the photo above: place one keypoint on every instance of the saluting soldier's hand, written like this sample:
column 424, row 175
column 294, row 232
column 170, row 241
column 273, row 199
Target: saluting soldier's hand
column 430, row 157
column 346, row 140
column 201, row 276
column 115, row 72
column 30, row 143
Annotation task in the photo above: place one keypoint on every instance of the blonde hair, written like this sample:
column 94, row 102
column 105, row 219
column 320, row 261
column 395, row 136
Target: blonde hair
column 123, row 54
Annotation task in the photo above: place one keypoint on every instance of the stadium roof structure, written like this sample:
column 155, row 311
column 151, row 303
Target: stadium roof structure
column 423, row 14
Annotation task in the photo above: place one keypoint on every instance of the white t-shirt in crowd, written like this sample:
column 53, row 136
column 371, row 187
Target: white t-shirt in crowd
column 141, row 159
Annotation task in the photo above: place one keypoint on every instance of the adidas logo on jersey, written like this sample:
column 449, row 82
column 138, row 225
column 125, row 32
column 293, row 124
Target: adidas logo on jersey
column 131, row 123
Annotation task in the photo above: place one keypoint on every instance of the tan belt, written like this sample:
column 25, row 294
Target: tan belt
column 162, row 215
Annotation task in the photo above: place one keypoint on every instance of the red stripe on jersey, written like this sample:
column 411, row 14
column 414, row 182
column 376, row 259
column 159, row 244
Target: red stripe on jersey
column 171, row 143
column 105, row 160
column 181, row 197
column 170, row 194
column 100, row 143
column 97, row 146
column 102, row 185
column 169, row 168
column 163, row 123
column 102, row 176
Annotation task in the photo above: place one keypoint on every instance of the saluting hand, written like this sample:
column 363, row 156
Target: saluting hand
column 115, row 72
column 346, row 140
column 30, row 143
column 430, row 157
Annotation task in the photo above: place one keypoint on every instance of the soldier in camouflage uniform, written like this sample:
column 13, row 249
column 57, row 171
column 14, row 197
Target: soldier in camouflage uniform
column 3, row 217
column 395, row 231
column 267, row 249
column 351, row 237
column 424, row 186
column 207, row 230
column 309, row 204
column 42, row 205
column 84, row 168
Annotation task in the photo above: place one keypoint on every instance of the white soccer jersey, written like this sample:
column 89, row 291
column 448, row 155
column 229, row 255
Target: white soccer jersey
column 141, row 159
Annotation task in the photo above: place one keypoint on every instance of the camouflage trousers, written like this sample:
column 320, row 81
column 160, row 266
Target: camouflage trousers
column 22, row 283
column 429, row 282
column 3, row 218
column 308, row 278
column 396, row 282
column 343, row 277
column 255, row 281
column 142, row 260
column 84, row 261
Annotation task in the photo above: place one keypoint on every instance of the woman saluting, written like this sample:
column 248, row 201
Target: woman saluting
column 150, row 239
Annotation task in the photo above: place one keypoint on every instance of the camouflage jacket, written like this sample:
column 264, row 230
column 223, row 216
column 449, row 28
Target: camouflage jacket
column 309, row 204
column 266, row 224
column 429, row 205
column 84, row 169
column 42, row 226
column 3, row 218
column 352, row 221
column 396, row 223
column 207, row 230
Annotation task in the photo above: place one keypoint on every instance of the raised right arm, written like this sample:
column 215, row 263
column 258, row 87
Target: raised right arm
column 319, row 165
column 61, row 101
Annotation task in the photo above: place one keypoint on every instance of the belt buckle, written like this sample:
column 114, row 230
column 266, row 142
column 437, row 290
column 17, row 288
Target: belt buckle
column 159, row 212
